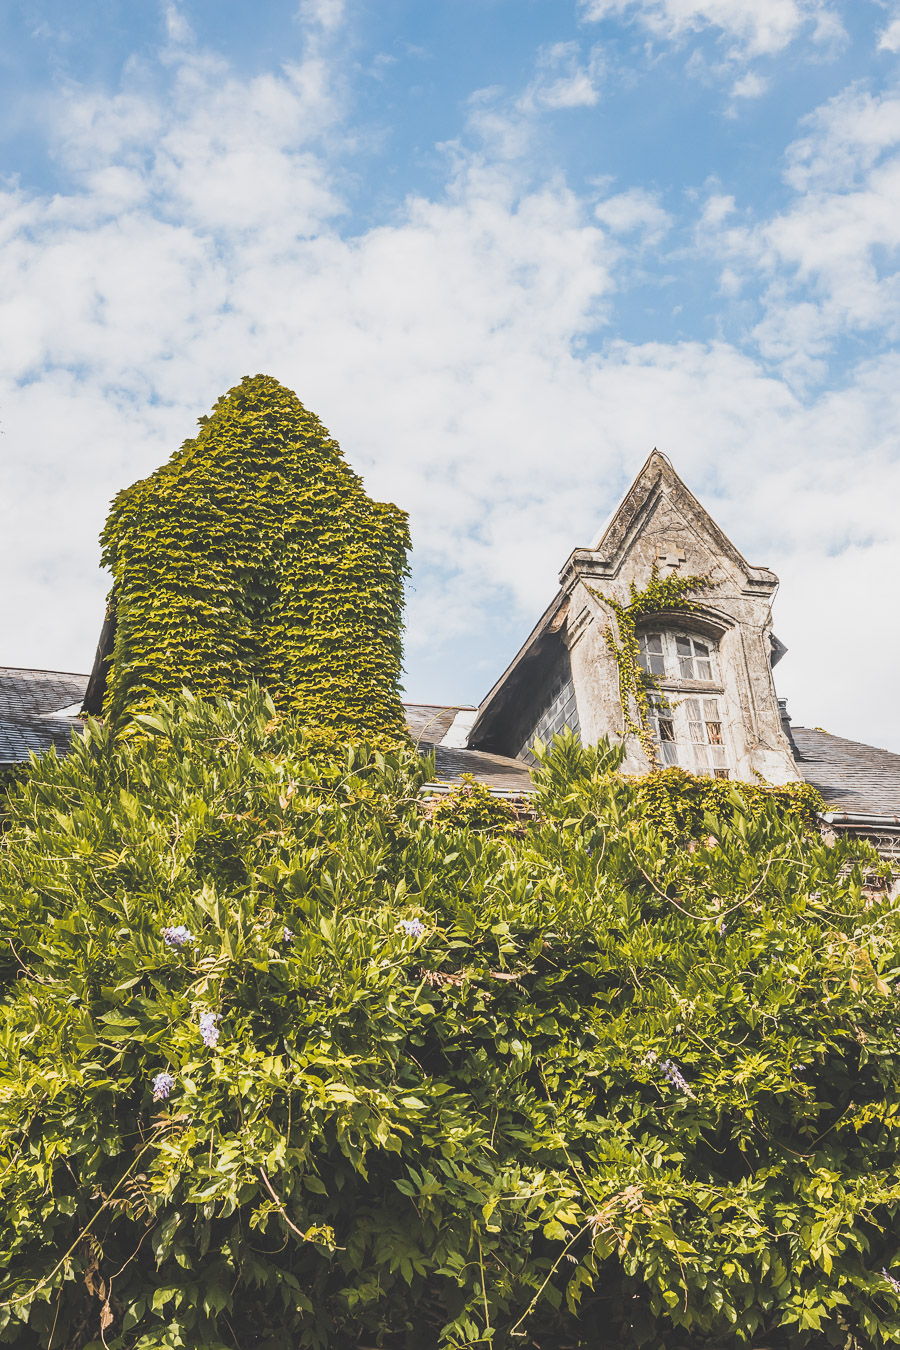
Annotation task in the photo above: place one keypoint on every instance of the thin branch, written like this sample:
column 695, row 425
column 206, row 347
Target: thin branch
column 278, row 1201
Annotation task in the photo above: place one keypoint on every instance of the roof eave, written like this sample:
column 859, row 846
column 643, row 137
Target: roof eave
column 486, row 708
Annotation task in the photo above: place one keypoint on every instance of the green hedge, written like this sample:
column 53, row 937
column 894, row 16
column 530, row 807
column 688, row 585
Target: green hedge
column 432, row 1085
column 255, row 554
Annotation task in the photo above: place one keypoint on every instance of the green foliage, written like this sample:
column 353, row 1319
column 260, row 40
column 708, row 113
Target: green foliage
column 576, row 1089
column 472, row 806
column 677, row 802
column 255, row 554
column 11, row 777
column 635, row 683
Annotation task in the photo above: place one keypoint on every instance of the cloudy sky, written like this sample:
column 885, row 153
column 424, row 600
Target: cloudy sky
column 502, row 248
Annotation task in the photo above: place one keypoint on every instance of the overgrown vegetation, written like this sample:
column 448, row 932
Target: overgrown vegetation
column 11, row 777
column 284, row 1064
column 255, row 554
column 471, row 805
column 677, row 802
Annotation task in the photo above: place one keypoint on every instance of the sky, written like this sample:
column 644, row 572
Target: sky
column 503, row 248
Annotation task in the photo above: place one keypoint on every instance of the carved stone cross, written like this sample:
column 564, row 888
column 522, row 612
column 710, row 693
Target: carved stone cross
column 669, row 559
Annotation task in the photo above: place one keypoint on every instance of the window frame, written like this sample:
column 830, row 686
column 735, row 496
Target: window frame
column 672, row 658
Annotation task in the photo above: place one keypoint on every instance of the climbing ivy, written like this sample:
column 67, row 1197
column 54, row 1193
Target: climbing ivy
column 635, row 683
column 255, row 554
column 677, row 803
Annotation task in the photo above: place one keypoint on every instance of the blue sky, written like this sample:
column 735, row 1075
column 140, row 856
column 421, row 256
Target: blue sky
column 503, row 248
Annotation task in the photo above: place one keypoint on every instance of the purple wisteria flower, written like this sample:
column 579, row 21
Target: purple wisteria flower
column 673, row 1075
column 208, row 1029
column 163, row 1084
column 412, row 927
column 287, row 935
column 894, row 1283
column 178, row 936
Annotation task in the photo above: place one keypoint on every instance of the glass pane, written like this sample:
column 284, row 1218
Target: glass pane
column 666, row 729
column 701, row 649
column 687, row 667
column 698, row 732
column 683, row 646
column 710, row 709
column 714, row 732
column 651, row 657
column 669, row 753
column 704, row 670
column 701, row 757
column 692, row 706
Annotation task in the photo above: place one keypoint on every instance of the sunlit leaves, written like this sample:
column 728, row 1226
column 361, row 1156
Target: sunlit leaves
column 254, row 554
column 445, row 1111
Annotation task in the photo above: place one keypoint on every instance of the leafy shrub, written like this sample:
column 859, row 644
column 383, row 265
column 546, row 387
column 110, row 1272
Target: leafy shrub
column 678, row 802
column 11, row 776
column 472, row 806
column 423, row 1087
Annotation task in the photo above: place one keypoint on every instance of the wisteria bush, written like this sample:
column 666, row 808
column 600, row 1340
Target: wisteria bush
column 286, row 1064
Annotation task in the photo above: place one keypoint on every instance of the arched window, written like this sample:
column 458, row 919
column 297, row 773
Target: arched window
column 678, row 656
column 687, row 714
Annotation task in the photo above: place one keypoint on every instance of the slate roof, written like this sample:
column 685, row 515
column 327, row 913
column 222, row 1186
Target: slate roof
column 35, row 710
column 500, row 773
column 430, row 722
column 853, row 778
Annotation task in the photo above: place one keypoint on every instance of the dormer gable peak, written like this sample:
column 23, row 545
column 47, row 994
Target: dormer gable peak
column 661, row 519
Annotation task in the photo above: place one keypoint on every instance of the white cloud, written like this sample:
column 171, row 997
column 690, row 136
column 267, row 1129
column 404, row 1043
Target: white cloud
column 634, row 210
column 504, row 128
column 889, row 39
column 717, row 208
column 563, row 80
column 758, row 27
column 828, row 260
column 325, row 14
column 178, row 29
column 846, row 139
column 751, row 85
column 199, row 244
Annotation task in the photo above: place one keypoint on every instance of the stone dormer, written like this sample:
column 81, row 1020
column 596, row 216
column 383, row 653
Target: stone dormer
column 718, row 712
